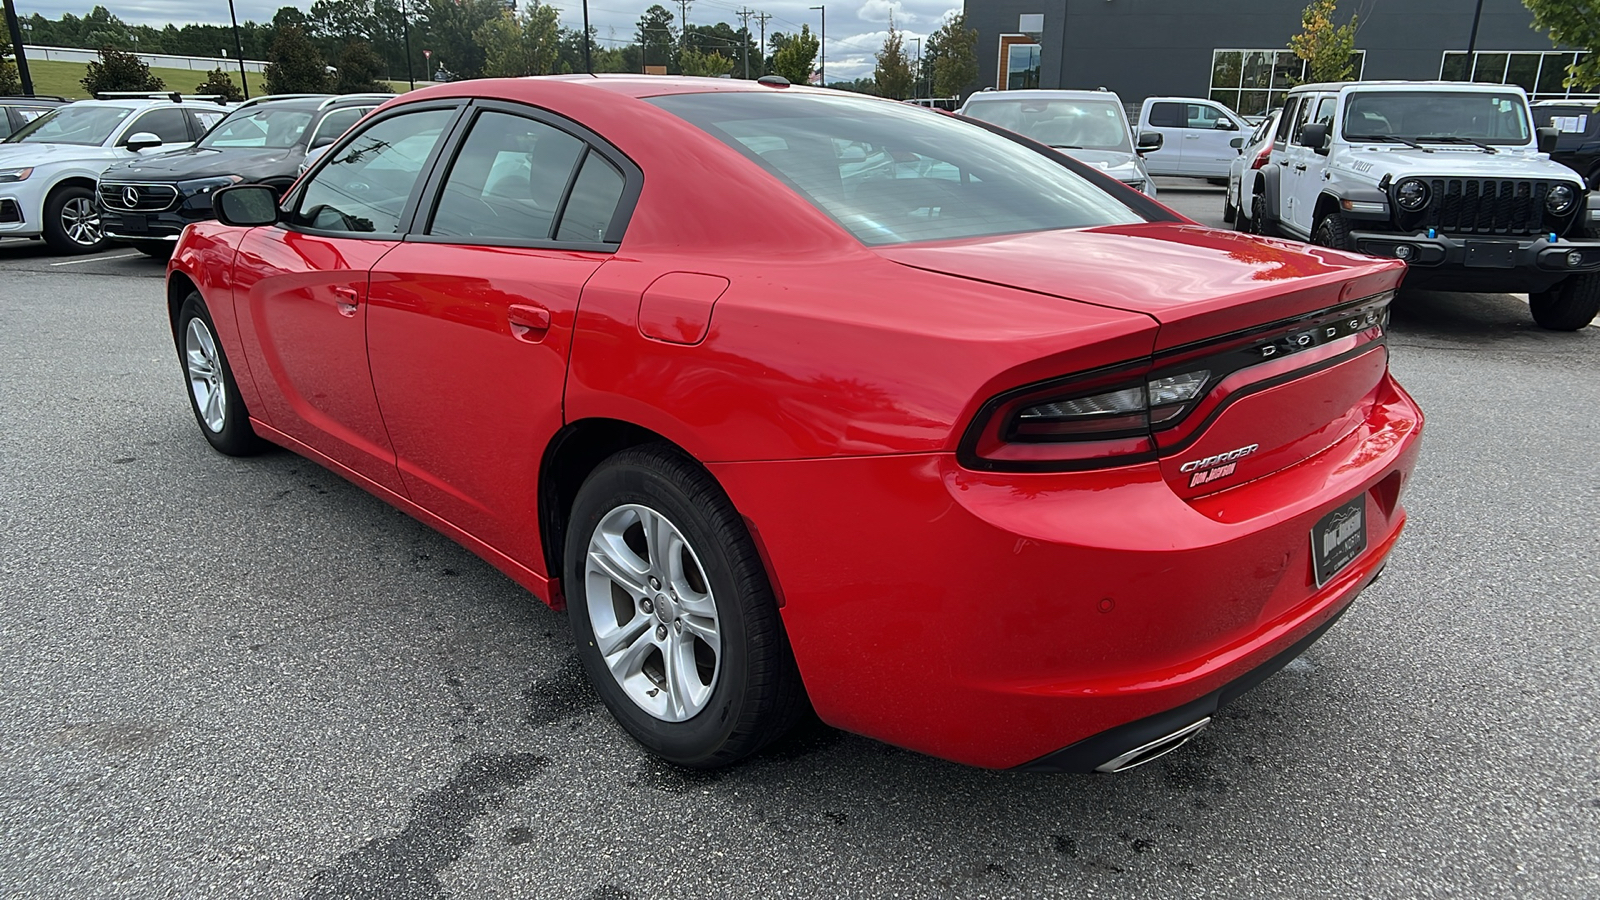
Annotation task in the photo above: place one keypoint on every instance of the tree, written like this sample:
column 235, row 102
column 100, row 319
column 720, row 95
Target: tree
column 220, row 84
column 10, row 80
column 526, row 44
column 952, row 56
column 893, row 74
column 657, row 37
column 694, row 62
column 119, row 70
column 795, row 55
column 1328, row 49
column 294, row 65
column 858, row 86
column 1572, row 23
column 358, row 70
column 450, row 29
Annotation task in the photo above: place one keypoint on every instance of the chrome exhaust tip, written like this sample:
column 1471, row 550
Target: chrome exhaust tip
column 1156, row 749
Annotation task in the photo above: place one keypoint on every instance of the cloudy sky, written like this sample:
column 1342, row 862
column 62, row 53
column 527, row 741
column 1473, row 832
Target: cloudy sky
column 856, row 28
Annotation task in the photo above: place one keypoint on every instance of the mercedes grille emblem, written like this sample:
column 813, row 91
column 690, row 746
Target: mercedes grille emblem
column 130, row 197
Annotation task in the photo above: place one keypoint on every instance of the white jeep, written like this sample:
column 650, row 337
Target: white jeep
column 1451, row 178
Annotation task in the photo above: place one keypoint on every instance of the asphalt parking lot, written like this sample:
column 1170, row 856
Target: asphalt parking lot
column 248, row 678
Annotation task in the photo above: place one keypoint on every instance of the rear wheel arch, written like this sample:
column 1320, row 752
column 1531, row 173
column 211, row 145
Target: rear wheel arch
column 575, row 452
column 179, row 286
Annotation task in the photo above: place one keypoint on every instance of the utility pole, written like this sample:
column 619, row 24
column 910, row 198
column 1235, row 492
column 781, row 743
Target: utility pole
column 16, row 47
column 238, row 47
column 822, row 47
column 683, row 21
column 916, row 81
column 761, row 48
column 745, row 13
column 405, row 28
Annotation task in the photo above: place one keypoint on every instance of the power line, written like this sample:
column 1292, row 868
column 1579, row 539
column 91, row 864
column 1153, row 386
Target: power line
column 745, row 13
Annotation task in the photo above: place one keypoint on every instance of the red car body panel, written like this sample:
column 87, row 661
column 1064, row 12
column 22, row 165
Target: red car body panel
column 988, row 617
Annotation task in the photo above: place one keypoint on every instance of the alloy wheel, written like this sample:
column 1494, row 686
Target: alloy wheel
column 205, row 375
column 81, row 221
column 652, row 612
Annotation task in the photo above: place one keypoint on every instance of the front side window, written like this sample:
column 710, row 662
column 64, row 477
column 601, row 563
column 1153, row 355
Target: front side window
column 1067, row 124
column 168, row 123
column 264, row 128
column 75, row 124
column 1438, row 116
column 365, row 188
column 891, row 174
column 206, row 119
column 1286, row 120
column 507, row 181
column 1166, row 115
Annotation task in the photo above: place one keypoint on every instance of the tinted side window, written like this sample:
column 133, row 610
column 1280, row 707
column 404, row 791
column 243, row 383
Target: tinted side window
column 1303, row 117
column 1286, row 121
column 5, row 122
column 1167, row 115
column 593, row 201
column 507, row 180
column 337, row 123
column 169, row 124
column 365, row 188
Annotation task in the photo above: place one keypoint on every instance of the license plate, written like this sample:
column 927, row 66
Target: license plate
column 1491, row 254
column 135, row 224
column 1338, row 538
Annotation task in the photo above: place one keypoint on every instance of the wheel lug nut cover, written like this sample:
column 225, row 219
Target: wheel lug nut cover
column 661, row 632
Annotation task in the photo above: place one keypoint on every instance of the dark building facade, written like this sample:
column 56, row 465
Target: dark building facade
column 1236, row 53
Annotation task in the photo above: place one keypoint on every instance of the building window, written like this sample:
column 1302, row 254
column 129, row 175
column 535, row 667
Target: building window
column 1541, row 74
column 1251, row 82
column 1022, row 67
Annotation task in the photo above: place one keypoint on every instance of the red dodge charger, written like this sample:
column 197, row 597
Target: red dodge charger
column 796, row 397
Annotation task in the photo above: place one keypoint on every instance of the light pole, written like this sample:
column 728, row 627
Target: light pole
column 588, row 62
column 1472, row 42
column 405, row 29
column 916, row 79
column 822, row 47
column 238, row 47
column 16, row 46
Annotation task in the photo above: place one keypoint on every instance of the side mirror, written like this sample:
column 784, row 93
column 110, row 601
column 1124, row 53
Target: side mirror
column 144, row 140
column 1548, row 138
column 246, row 205
column 1315, row 136
column 1226, row 125
column 1237, row 144
column 1150, row 142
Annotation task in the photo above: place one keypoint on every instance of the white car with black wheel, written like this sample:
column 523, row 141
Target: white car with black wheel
column 1255, row 153
column 49, row 167
column 1453, row 178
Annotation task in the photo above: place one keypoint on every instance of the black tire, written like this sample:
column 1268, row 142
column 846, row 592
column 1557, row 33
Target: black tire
column 235, row 437
column 58, row 233
column 1220, row 182
column 755, row 695
column 1332, row 231
column 161, row 250
column 1568, row 306
column 1258, row 216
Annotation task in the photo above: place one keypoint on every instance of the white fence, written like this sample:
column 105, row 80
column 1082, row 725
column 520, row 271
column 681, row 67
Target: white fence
column 155, row 60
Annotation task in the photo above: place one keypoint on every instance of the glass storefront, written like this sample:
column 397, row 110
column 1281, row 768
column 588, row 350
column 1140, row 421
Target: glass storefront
column 1022, row 67
column 1540, row 74
column 1251, row 82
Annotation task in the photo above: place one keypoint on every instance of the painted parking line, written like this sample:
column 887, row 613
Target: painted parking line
column 74, row 262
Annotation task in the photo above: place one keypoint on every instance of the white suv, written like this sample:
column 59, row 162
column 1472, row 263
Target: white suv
column 1200, row 138
column 1453, row 178
column 49, row 167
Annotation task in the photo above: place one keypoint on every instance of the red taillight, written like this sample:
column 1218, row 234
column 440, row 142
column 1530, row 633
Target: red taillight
column 1126, row 414
column 1262, row 157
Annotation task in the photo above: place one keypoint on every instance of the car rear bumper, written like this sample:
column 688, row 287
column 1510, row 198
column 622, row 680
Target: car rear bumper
column 996, row 618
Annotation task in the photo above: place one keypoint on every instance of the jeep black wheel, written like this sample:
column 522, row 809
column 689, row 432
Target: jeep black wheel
column 1258, row 216
column 1568, row 306
column 1333, row 231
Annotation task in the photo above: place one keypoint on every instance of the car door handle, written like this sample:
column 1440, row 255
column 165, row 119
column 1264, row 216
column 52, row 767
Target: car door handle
column 528, row 322
column 1299, row 167
column 347, row 299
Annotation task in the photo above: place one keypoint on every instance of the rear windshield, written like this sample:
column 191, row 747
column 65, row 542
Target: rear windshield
column 262, row 128
column 1437, row 116
column 1065, row 124
column 892, row 174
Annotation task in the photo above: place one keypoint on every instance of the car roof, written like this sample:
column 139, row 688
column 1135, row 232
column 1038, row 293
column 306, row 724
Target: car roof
column 313, row 101
column 146, row 104
column 1335, row 86
column 1046, row 93
column 32, row 101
